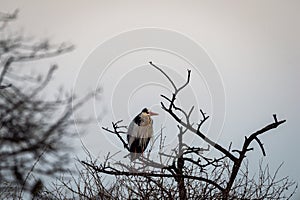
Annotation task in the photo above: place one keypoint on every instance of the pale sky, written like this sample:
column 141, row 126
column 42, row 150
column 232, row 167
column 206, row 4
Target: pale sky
column 253, row 47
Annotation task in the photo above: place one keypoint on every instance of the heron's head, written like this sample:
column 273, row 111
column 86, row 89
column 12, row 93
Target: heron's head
column 146, row 116
column 146, row 111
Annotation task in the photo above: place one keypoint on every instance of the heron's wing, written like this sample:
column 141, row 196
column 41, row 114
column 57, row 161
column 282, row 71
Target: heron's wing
column 132, row 132
column 133, row 129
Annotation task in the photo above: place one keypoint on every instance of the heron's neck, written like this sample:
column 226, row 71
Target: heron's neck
column 146, row 121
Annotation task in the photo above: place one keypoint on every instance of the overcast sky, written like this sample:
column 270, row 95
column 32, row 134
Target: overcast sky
column 253, row 48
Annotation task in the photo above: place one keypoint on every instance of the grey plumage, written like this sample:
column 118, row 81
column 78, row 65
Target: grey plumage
column 139, row 132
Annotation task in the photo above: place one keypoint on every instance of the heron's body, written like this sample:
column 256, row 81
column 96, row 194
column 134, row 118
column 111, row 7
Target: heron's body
column 139, row 133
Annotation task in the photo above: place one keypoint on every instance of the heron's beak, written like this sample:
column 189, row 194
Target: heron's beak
column 152, row 113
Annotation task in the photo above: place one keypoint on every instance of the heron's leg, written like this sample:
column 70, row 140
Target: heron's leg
column 134, row 158
column 143, row 158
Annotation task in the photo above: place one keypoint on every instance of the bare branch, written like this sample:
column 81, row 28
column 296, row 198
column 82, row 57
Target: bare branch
column 145, row 174
column 245, row 149
column 170, row 80
column 261, row 145
column 187, row 124
column 186, row 172
column 116, row 130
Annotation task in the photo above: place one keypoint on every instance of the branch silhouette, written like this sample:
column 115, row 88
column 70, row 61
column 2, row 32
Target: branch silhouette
column 187, row 165
column 33, row 128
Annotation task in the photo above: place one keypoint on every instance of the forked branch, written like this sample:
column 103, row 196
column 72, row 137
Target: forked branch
column 172, row 108
column 117, row 131
column 116, row 172
column 229, row 162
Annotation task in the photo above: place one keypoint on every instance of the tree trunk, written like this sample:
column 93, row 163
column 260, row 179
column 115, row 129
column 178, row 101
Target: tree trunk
column 180, row 181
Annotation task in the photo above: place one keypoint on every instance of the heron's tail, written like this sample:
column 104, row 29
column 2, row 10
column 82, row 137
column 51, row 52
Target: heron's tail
column 134, row 156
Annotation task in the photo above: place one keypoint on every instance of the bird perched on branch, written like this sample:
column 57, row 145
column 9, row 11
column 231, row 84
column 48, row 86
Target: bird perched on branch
column 139, row 133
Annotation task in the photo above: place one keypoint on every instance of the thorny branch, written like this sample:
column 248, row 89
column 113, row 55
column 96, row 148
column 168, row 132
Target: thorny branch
column 236, row 160
column 116, row 130
column 32, row 130
column 16, row 49
column 171, row 108
column 113, row 171
column 183, row 153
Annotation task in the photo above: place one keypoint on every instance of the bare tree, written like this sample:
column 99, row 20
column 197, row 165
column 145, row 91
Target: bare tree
column 187, row 172
column 32, row 128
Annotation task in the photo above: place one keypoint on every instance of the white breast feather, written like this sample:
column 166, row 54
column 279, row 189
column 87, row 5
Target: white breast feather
column 139, row 131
